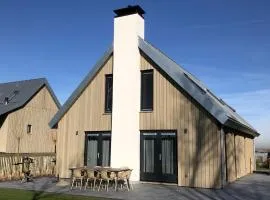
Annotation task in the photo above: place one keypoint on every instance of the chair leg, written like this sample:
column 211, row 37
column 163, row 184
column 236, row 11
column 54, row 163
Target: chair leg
column 107, row 185
column 99, row 184
column 115, row 184
column 86, row 184
column 72, row 184
column 81, row 184
column 127, row 184
column 94, row 184
column 130, row 185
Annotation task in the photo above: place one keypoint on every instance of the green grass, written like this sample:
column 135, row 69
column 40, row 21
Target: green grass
column 262, row 169
column 16, row 194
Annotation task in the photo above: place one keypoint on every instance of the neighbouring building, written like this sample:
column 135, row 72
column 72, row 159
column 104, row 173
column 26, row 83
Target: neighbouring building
column 26, row 108
column 262, row 154
column 140, row 109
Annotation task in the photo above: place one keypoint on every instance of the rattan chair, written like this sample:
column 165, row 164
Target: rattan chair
column 123, row 179
column 113, row 178
column 105, row 178
column 78, row 175
column 91, row 177
column 128, row 174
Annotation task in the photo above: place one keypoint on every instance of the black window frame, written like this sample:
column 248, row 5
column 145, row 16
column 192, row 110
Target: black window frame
column 144, row 106
column 107, row 104
column 100, row 135
column 29, row 128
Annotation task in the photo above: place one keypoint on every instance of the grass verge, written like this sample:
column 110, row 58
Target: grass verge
column 17, row 194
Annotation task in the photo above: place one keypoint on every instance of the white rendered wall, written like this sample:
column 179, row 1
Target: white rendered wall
column 125, row 141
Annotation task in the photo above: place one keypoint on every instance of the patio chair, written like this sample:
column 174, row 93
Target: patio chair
column 91, row 177
column 78, row 175
column 124, row 179
column 105, row 178
column 113, row 178
column 128, row 174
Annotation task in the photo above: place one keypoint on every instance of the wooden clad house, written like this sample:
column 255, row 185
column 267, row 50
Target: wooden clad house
column 26, row 108
column 140, row 109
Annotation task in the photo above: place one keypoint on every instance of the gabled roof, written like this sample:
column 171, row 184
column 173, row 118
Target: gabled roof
column 222, row 112
column 77, row 92
column 20, row 92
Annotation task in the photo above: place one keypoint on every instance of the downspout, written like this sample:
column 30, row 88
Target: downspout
column 222, row 157
column 254, row 158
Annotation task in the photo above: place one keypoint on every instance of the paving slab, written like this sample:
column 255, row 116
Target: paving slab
column 255, row 186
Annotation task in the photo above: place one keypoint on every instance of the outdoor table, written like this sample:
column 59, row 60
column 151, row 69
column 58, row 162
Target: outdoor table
column 100, row 168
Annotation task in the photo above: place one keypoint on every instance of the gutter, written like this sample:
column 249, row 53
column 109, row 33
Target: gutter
column 240, row 127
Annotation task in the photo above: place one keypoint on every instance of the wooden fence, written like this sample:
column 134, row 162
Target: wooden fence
column 43, row 165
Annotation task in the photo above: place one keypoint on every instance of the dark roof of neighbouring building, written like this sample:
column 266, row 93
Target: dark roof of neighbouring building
column 19, row 93
column 262, row 150
column 221, row 111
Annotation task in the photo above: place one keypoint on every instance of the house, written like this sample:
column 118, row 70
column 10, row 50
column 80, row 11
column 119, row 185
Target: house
column 140, row 109
column 262, row 154
column 26, row 107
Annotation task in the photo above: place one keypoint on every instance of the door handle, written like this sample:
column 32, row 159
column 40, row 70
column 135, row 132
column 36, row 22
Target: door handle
column 97, row 155
column 160, row 157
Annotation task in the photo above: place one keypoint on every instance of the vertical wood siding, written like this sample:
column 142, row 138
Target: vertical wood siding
column 199, row 161
column 3, row 133
column 249, row 150
column 230, row 157
column 239, row 156
column 86, row 114
column 37, row 112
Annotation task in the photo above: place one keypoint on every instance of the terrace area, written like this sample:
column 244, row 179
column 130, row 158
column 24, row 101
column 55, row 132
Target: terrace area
column 255, row 186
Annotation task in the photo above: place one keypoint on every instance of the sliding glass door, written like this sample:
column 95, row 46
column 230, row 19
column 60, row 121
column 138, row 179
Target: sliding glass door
column 97, row 148
column 159, row 156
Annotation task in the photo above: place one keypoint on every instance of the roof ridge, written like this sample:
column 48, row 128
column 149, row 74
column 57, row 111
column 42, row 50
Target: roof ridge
column 25, row 91
column 26, row 80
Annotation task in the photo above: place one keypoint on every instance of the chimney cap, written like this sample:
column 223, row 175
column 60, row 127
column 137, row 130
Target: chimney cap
column 136, row 9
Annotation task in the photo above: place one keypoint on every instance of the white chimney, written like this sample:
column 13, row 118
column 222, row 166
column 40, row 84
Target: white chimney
column 125, row 141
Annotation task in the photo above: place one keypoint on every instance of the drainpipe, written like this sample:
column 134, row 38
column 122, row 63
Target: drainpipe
column 223, row 157
column 254, row 158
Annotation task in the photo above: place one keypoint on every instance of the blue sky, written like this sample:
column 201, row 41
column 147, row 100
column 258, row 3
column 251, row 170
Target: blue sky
column 226, row 44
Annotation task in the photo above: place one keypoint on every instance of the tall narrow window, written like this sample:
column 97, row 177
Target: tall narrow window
column 29, row 128
column 108, row 92
column 147, row 90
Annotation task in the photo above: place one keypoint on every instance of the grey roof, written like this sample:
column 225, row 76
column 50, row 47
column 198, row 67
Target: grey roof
column 222, row 112
column 20, row 92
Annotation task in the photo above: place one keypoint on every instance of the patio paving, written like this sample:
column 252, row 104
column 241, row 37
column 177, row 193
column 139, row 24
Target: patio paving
column 255, row 186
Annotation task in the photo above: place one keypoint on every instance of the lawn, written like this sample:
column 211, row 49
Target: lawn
column 15, row 194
